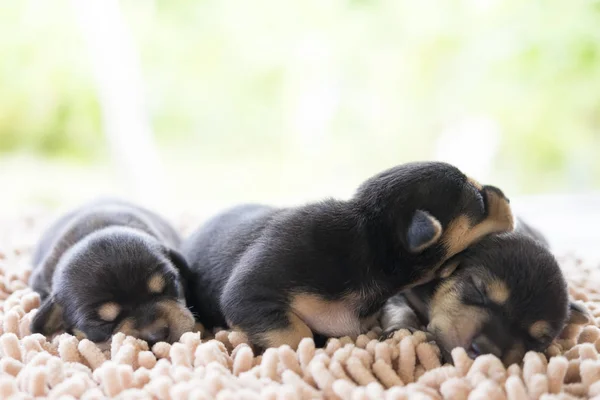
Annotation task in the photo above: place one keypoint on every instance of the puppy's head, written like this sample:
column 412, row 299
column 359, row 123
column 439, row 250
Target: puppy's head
column 117, row 280
column 427, row 212
column 506, row 297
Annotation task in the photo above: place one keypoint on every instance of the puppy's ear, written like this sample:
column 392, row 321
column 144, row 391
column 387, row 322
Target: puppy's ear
column 180, row 263
column 579, row 314
column 48, row 319
column 423, row 231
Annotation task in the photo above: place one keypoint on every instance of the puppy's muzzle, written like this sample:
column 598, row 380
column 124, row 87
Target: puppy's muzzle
column 155, row 334
column 171, row 319
column 481, row 344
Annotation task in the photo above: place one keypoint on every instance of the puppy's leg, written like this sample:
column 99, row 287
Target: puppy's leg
column 397, row 314
column 267, row 329
column 263, row 314
column 292, row 334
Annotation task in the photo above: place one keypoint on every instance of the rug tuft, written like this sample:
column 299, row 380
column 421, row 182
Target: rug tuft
column 224, row 366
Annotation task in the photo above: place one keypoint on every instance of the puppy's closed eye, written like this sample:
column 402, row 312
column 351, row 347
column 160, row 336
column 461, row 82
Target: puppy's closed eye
column 475, row 292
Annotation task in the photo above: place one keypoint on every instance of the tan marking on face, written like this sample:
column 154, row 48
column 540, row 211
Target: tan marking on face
column 436, row 236
column 109, row 311
column 292, row 335
column 156, row 283
column 475, row 183
column 127, row 326
column 79, row 334
column 539, row 329
column 460, row 233
column 330, row 318
column 453, row 322
column 497, row 291
column 178, row 318
column 447, row 269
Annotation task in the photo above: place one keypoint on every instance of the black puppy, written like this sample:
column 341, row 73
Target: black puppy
column 507, row 296
column 280, row 274
column 110, row 267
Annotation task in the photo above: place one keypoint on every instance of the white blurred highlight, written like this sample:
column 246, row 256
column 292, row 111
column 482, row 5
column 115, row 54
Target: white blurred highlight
column 117, row 71
column 471, row 145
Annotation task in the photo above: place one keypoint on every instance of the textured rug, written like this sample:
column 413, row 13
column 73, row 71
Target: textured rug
column 224, row 366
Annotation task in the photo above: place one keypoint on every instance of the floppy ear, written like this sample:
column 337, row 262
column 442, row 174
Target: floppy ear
column 579, row 314
column 423, row 231
column 48, row 319
column 180, row 263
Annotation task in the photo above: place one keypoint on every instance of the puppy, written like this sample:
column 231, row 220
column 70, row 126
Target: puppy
column 282, row 274
column 507, row 296
column 111, row 267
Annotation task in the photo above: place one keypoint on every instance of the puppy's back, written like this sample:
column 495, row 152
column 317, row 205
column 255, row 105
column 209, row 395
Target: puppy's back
column 528, row 230
column 212, row 252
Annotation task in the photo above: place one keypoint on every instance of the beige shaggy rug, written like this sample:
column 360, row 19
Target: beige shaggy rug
column 225, row 367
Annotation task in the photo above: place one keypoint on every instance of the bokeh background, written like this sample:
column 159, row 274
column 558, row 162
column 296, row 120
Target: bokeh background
column 190, row 106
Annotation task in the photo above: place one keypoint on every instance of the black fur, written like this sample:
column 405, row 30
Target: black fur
column 537, row 292
column 106, row 251
column 249, row 261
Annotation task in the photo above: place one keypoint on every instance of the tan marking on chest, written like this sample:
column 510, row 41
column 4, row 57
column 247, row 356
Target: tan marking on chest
column 330, row 318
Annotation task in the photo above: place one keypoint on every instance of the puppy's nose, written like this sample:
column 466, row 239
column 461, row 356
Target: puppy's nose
column 483, row 345
column 155, row 335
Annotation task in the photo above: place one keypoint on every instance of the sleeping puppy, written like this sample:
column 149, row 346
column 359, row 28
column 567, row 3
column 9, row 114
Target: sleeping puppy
column 111, row 267
column 282, row 274
column 507, row 296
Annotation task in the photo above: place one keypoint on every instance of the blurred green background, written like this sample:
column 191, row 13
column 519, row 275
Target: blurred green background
column 289, row 101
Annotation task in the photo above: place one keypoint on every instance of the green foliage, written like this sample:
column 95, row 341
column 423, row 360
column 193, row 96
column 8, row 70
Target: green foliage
column 229, row 75
column 47, row 101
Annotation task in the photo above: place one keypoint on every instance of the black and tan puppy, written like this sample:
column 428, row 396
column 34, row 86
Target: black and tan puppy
column 507, row 296
column 111, row 267
column 281, row 274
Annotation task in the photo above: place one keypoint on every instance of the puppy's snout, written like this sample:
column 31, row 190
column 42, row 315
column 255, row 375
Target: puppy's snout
column 155, row 334
column 483, row 345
